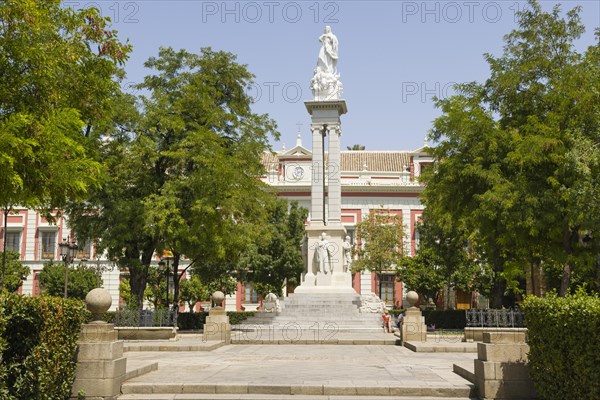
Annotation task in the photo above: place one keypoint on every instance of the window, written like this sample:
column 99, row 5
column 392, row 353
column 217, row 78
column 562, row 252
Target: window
column 388, row 282
column 47, row 245
column 84, row 250
column 250, row 294
column 13, row 241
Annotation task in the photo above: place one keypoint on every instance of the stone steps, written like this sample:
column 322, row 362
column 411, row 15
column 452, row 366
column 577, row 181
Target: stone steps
column 272, row 397
column 259, row 391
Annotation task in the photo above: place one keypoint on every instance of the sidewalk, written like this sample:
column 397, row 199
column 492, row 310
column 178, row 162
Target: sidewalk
column 315, row 371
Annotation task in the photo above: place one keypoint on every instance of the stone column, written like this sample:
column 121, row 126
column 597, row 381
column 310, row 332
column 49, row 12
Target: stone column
column 317, row 195
column 413, row 327
column 217, row 325
column 334, row 187
column 501, row 368
column 100, row 362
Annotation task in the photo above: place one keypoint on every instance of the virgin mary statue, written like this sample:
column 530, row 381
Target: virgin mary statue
column 328, row 56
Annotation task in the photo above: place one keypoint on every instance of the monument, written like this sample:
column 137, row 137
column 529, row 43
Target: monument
column 326, row 262
column 325, row 302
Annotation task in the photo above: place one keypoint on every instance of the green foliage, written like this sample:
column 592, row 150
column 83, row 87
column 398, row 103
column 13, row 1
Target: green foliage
column 564, row 341
column 275, row 258
column 80, row 280
column 181, row 169
column 39, row 344
column 54, row 84
column 422, row 273
column 15, row 272
column 194, row 291
column 195, row 321
column 381, row 234
column 518, row 157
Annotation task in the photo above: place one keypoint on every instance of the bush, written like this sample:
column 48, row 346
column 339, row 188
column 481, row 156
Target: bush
column 39, row 344
column 195, row 321
column 445, row 319
column 564, row 340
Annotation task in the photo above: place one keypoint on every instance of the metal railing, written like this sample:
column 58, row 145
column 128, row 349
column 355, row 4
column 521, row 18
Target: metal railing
column 506, row 317
column 145, row 318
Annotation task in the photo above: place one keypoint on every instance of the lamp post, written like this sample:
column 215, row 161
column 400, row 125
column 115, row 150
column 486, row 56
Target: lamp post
column 68, row 251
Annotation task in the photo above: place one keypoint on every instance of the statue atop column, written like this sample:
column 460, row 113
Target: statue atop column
column 325, row 83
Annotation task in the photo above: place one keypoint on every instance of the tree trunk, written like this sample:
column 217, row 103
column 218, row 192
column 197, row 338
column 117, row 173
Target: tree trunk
column 176, row 278
column 498, row 293
column 565, row 281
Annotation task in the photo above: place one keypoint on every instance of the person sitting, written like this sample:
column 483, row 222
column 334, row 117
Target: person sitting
column 387, row 321
column 399, row 320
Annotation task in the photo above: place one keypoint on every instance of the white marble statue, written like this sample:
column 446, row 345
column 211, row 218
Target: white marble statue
column 324, row 255
column 325, row 84
column 328, row 55
column 347, row 252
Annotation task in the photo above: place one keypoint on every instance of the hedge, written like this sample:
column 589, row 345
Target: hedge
column 564, row 340
column 445, row 319
column 195, row 321
column 38, row 340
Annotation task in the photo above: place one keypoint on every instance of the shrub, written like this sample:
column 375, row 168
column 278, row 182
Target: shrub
column 564, row 339
column 195, row 321
column 445, row 319
column 39, row 344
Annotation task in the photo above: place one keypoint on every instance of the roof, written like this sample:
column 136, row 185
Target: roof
column 375, row 161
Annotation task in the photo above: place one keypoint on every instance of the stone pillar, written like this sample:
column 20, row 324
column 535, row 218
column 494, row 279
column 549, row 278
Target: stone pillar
column 100, row 362
column 413, row 328
column 325, row 117
column 501, row 370
column 317, row 195
column 217, row 325
column 334, row 186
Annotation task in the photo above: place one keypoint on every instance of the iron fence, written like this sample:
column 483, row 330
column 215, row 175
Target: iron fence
column 145, row 318
column 506, row 317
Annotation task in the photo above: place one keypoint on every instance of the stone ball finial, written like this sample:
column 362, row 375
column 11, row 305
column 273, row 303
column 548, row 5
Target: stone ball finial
column 218, row 298
column 98, row 302
column 412, row 297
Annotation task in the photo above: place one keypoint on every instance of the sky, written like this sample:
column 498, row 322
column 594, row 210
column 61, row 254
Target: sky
column 394, row 56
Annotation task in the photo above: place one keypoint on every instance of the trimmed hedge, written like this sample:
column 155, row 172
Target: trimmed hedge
column 564, row 340
column 38, row 340
column 445, row 319
column 195, row 321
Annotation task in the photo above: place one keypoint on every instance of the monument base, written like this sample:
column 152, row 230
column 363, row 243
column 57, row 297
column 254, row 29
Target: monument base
column 217, row 326
column 329, row 277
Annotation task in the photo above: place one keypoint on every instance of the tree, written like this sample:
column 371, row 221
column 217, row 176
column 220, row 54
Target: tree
column 209, row 202
column 276, row 258
column 54, row 89
column 517, row 160
column 80, row 280
column 381, row 236
column 356, row 147
column 193, row 291
column 182, row 165
column 15, row 272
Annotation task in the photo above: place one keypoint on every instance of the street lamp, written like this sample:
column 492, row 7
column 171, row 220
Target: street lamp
column 161, row 264
column 68, row 251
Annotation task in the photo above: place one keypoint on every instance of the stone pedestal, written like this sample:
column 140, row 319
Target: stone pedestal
column 501, row 370
column 413, row 326
column 217, row 325
column 334, row 279
column 100, row 362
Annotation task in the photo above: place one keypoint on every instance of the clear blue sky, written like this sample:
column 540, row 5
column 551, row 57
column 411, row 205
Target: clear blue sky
column 394, row 55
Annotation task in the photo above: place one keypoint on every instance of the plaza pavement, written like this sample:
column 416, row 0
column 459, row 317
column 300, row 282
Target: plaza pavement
column 295, row 371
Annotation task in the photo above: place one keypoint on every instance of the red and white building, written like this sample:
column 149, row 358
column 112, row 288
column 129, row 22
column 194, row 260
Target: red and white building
column 369, row 180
